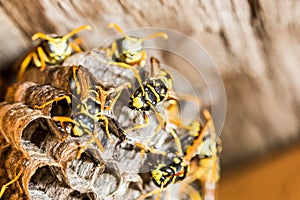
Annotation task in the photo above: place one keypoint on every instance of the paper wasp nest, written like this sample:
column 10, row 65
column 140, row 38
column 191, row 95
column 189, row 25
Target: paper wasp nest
column 45, row 153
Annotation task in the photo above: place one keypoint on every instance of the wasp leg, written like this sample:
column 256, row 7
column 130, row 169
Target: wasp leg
column 56, row 131
column 160, row 119
column 191, row 191
column 50, row 123
column 75, row 47
column 25, row 64
column 209, row 176
column 214, row 160
column 67, row 98
column 62, row 120
column 210, row 190
column 173, row 112
column 149, row 194
column 159, row 193
column 191, row 98
column 145, row 148
column 119, row 91
column 207, row 170
column 4, row 146
column 176, row 139
column 207, row 116
column 177, row 142
column 93, row 139
column 207, row 173
column 172, row 107
column 102, row 117
column 77, row 84
column 43, row 58
column 104, row 94
column 3, row 188
column 139, row 126
column 134, row 70
column 78, row 41
column 111, row 50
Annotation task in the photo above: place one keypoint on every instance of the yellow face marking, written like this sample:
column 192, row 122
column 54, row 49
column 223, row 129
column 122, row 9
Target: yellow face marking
column 137, row 102
column 157, row 174
column 132, row 59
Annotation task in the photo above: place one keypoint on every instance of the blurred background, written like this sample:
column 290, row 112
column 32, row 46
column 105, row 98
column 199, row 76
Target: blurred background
column 255, row 46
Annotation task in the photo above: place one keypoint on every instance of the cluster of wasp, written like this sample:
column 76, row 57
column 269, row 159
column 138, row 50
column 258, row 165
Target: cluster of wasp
column 196, row 157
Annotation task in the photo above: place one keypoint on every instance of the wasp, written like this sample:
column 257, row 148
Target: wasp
column 89, row 102
column 157, row 89
column 205, row 168
column 180, row 169
column 51, row 50
column 205, row 165
column 85, row 94
column 127, row 52
column 87, row 109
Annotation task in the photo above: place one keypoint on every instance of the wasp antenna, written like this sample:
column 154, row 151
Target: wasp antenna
column 154, row 60
column 208, row 117
column 41, row 36
column 159, row 34
column 76, row 30
column 192, row 98
column 155, row 66
column 207, row 114
column 115, row 26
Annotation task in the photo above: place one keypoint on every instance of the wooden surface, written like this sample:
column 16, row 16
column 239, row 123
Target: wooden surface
column 275, row 177
column 254, row 43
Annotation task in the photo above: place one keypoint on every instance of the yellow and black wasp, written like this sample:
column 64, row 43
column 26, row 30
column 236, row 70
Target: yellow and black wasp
column 89, row 102
column 205, row 168
column 157, row 89
column 88, row 106
column 128, row 52
column 51, row 50
column 180, row 169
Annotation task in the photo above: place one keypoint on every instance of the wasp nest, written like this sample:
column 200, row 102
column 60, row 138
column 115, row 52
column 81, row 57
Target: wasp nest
column 51, row 159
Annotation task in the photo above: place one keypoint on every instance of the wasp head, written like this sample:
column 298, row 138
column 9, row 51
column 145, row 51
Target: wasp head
column 162, row 176
column 138, row 101
column 130, row 49
column 57, row 48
